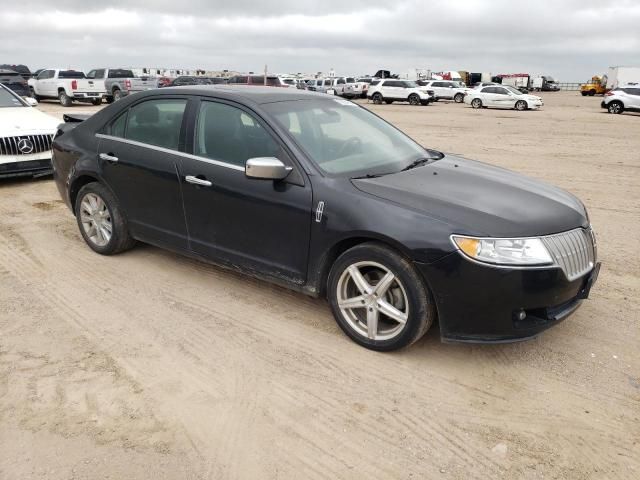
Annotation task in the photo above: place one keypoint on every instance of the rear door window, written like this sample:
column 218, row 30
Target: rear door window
column 156, row 122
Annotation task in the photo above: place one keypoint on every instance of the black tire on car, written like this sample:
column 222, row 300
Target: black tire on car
column 109, row 99
column 32, row 92
column 65, row 101
column 458, row 97
column 615, row 107
column 414, row 99
column 117, row 94
column 98, row 213
column 584, row 94
column 391, row 294
column 96, row 101
column 377, row 98
column 521, row 105
column 476, row 103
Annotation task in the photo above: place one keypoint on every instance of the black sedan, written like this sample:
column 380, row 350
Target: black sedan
column 320, row 195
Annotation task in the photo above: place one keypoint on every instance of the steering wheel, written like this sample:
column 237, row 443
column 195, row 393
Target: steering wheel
column 350, row 143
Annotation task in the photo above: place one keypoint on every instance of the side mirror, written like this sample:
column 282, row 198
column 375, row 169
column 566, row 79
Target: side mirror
column 266, row 168
column 32, row 102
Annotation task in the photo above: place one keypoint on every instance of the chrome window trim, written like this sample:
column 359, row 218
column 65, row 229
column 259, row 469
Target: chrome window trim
column 172, row 152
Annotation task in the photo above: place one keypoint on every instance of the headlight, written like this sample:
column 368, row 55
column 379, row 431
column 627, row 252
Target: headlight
column 504, row 251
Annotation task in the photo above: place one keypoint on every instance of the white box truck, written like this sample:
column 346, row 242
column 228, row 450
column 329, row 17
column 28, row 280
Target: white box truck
column 622, row 76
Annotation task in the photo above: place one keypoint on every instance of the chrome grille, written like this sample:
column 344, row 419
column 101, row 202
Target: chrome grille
column 12, row 145
column 573, row 251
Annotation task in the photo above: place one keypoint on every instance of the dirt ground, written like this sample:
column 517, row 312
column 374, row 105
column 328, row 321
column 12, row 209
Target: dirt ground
column 151, row 365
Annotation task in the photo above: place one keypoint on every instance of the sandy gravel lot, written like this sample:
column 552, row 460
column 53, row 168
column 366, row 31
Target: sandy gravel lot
column 151, row 365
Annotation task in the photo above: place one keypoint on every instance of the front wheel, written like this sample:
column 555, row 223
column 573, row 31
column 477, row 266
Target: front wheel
column 521, row 105
column 377, row 98
column 64, row 99
column 476, row 103
column 101, row 222
column 615, row 107
column 458, row 98
column 414, row 99
column 378, row 298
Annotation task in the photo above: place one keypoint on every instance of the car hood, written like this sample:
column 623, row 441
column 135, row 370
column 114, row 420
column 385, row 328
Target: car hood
column 16, row 121
column 480, row 199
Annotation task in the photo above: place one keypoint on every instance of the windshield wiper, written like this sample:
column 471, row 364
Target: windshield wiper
column 417, row 162
column 369, row 175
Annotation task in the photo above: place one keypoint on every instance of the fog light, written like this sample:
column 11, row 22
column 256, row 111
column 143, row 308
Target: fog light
column 522, row 315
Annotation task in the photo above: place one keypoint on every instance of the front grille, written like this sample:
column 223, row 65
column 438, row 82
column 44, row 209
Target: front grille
column 573, row 251
column 25, row 144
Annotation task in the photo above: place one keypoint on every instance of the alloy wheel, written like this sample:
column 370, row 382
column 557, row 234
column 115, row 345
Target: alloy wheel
column 372, row 300
column 96, row 219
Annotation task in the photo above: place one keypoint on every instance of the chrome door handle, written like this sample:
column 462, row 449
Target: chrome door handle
column 108, row 158
column 197, row 181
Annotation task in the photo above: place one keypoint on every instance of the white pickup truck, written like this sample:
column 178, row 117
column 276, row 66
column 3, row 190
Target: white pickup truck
column 66, row 86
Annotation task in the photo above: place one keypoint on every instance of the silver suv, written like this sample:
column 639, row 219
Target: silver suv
column 625, row 97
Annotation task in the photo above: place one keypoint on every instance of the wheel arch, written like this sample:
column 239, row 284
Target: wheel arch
column 330, row 255
column 77, row 183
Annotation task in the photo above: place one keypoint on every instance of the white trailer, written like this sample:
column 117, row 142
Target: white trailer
column 621, row 76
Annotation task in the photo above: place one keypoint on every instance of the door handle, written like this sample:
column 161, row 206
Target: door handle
column 108, row 157
column 197, row 181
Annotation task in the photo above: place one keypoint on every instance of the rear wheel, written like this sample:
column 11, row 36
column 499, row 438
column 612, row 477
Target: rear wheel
column 101, row 222
column 65, row 101
column 117, row 94
column 476, row 103
column 521, row 105
column 378, row 298
column 414, row 99
column 96, row 101
column 458, row 97
column 615, row 107
column 109, row 99
column 377, row 98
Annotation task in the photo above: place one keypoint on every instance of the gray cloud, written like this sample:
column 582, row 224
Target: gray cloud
column 571, row 39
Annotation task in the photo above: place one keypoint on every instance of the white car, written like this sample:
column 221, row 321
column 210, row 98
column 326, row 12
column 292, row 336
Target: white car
column 501, row 97
column 445, row 89
column 25, row 136
column 625, row 97
column 66, row 86
column 391, row 90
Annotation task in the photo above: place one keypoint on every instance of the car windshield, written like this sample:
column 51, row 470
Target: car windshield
column 344, row 139
column 8, row 99
column 512, row 90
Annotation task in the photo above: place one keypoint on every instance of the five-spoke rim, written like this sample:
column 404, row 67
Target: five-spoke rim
column 372, row 300
column 96, row 219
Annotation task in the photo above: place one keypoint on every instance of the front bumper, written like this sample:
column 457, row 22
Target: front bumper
column 26, row 168
column 483, row 304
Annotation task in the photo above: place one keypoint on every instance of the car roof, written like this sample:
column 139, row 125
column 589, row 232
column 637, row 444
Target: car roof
column 253, row 94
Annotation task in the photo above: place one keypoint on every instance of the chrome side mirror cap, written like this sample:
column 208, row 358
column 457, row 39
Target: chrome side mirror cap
column 266, row 168
column 32, row 102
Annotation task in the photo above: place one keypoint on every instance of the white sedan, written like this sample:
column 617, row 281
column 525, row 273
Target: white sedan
column 501, row 96
column 25, row 136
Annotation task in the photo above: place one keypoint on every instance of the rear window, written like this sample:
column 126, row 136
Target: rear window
column 70, row 74
column 374, row 82
column 632, row 91
column 120, row 73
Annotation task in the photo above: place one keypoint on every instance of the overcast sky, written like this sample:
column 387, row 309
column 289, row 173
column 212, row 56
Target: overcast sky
column 569, row 39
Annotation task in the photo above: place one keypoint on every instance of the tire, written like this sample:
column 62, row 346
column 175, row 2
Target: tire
column 458, row 97
column 615, row 107
column 521, row 105
column 592, row 93
column 96, row 205
column 424, row 102
column 65, row 101
column 32, row 92
column 406, row 294
column 476, row 103
column 96, row 101
column 117, row 94
column 414, row 99
column 584, row 94
column 109, row 100
column 377, row 98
